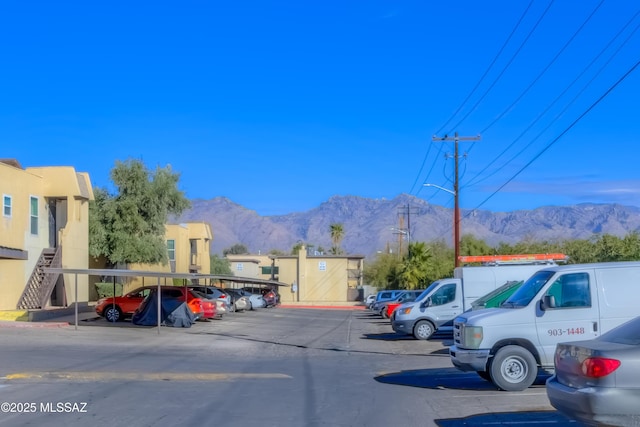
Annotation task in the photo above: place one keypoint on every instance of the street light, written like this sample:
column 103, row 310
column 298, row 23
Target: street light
column 440, row 188
column 456, row 220
column 404, row 233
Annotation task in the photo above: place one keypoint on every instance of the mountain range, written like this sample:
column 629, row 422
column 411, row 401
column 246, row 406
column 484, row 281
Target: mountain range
column 371, row 225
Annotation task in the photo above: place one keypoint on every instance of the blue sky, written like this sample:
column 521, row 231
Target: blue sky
column 279, row 105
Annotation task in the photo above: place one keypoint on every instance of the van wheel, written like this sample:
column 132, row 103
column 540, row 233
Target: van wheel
column 423, row 330
column 513, row 368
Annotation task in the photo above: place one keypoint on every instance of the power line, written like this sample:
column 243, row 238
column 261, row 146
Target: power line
column 505, row 67
column 580, row 117
column 544, row 70
column 539, row 117
column 500, row 51
column 504, row 45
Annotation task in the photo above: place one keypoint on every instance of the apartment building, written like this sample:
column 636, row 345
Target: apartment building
column 44, row 223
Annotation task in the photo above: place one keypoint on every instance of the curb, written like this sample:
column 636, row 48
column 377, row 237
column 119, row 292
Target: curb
column 9, row 324
column 325, row 307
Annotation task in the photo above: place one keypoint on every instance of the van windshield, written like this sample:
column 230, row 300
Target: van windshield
column 427, row 291
column 523, row 296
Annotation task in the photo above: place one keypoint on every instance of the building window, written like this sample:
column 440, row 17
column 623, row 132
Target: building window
column 239, row 266
column 322, row 265
column 34, row 215
column 267, row 270
column 6, row 205
column 171, row 250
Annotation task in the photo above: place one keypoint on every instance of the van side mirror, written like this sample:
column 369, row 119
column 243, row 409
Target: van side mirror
column 427, row 302
column 548, row 301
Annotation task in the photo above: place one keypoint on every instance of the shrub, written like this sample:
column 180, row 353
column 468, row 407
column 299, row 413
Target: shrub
column 105, row 289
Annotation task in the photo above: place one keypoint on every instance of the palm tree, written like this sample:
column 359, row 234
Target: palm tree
column 415, row 268
column 337, row 233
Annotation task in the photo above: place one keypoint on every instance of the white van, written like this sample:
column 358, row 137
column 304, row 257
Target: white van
column 445, row 299
column 508, row 345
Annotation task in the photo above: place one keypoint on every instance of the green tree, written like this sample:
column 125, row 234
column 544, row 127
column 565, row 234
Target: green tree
column 441, row 264
column 579, row 251
column 129, row 227
column 296, row 248
column 337, row 233
column 609, row 248
column 237, row 249
column 631, row 246
column 382, row 272
column 469, row 245
column 219, row 266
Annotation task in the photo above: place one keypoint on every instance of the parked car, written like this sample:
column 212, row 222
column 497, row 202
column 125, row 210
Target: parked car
column 269, row 294
column 220, row 296
column 213, row 292
column 386, row 295
column 369, row 300
column 256, row 300
column 212, row 308
column 380, row 305
column 390, row 306
column 270, row 298
column 118, row 308
column 598, row 381
column 406, row 296
column 238, row 301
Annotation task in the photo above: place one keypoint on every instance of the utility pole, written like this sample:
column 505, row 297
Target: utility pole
column 456, row 190
column 405, row 211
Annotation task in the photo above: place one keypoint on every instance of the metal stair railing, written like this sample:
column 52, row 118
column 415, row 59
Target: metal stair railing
column 40, row 285
column 50, row 279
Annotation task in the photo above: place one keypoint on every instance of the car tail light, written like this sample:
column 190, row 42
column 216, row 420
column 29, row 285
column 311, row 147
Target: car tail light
column 598, row 367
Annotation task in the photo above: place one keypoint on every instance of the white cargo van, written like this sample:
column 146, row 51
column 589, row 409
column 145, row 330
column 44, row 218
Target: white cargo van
column 445, row 299
column 508, row 345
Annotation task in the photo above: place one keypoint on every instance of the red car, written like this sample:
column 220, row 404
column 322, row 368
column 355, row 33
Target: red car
column 209, row 308
column 116, row 309
column 390, row 308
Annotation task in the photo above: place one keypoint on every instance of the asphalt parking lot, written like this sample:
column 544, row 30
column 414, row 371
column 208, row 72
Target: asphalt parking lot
column 271, row 367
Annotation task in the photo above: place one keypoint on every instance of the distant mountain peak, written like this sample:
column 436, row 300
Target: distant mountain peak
column 367, row 223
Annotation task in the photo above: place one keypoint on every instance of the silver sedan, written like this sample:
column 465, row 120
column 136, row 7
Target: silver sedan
column 598, row 381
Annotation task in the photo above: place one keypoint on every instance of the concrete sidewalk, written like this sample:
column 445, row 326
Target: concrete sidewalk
column 47, row 318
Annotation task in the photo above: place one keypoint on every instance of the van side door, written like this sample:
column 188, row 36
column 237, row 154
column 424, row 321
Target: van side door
column 570, row 312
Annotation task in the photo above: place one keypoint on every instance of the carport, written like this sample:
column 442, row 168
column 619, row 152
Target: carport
column 187, row 278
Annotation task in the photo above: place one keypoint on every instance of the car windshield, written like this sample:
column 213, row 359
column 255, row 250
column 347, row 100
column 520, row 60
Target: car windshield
column 523, row 296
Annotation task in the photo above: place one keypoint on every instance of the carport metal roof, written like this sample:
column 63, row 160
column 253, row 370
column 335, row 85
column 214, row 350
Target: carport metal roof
column 157, row 274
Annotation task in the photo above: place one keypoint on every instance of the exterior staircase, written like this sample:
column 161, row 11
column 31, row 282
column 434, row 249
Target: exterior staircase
column 40, row 285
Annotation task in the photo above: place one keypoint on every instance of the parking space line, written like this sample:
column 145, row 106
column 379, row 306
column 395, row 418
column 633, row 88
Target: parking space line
column 138, row 376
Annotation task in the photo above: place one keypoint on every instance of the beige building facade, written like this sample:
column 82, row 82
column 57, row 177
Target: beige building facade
column 310, row 278
column 188, row 250
column 44, row 222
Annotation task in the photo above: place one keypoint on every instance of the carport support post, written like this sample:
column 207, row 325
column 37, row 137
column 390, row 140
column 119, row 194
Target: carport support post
column 159, row 306
column 76, row 301
column 113, row 297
